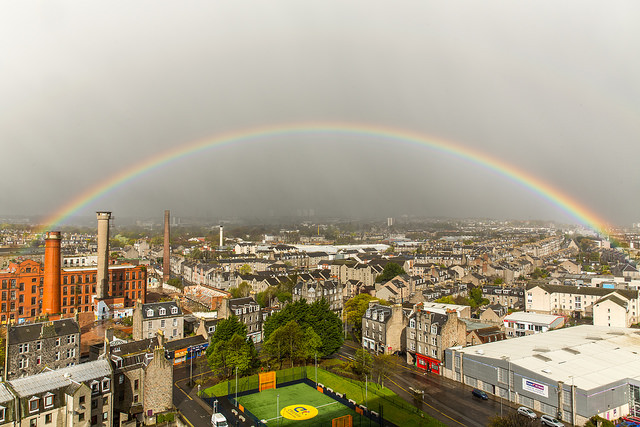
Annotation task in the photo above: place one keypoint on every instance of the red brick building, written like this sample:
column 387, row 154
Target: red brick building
column 22, row 289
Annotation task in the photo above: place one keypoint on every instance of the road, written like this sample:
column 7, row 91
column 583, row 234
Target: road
column 444, row 399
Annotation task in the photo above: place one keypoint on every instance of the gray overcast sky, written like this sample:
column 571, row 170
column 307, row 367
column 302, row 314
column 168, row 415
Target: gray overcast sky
column 90, row 88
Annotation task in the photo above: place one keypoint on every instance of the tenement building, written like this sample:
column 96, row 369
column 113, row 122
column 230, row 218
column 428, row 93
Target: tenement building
column 149, row 319
column 33, row 347
column 383, row 328
column 77, row 395
column 247, row 310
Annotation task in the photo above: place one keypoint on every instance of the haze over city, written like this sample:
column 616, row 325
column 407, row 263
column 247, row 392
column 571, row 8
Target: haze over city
column 551, row 89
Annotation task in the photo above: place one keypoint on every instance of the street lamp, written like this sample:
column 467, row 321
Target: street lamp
column 236, row 385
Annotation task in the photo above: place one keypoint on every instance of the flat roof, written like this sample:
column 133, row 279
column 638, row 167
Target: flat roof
column 524, row 316
column 590, row 356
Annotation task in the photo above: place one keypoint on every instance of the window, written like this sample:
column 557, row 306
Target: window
column 94, row 403
column 71, row 339
column 81, row 416
column 135, row 398
column 33, row 422
column 33, row 404
column 105, row 384
column 135, row 384
column 23, row 363
column 162, row 311
column 175, row 322
column 71, row 352
column 2, row 413
column 162, row 323
column 38, row 360
column 57, row 355
column 94, row 387
column 48, row 400
column 81, row 400
column 105, row 400
column 434, row 329
column 121, row 379
column 58, row 341
column 175, row 332
column 149, row 313
column 105, row 416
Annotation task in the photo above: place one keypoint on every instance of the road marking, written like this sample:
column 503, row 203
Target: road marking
column 435, row 409
column 187, row 420
column 402, row 388
column 180, row 388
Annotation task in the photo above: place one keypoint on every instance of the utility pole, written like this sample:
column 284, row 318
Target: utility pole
column 236, row 385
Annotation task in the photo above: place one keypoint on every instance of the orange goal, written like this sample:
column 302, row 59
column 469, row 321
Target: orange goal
column 344, row 421
column 267, row 380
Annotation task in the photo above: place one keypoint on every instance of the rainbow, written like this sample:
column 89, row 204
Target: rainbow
column 576, row 210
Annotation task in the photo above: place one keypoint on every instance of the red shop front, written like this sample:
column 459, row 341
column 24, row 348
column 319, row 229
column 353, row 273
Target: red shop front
column 427, row 363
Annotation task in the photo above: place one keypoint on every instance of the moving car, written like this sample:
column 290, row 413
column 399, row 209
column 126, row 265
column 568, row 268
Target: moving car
column 548, row 420
column 479, row 394
column 527, row 412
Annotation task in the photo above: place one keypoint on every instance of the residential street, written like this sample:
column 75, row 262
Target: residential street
column 445, row 400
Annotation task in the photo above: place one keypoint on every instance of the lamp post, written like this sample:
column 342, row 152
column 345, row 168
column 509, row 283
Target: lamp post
column 277, row 409
column 573, row 400
column 316, row 369
column 236, row 385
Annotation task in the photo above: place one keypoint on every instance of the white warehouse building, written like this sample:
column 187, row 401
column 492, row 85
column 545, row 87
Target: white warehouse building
column 570, row 373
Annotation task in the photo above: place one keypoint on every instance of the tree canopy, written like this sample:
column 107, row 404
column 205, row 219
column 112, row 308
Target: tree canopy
column 325, row 323
column 356, row 307
column 230, row 348
column 240, row 291
column 390, row 271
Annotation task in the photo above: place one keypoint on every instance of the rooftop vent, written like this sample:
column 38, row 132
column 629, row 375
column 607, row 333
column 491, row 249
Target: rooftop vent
column 542, row 349
column 595, row 338
column 541, row 357
column 571, row 350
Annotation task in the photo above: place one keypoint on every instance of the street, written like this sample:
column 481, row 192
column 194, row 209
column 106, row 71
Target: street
column 444, row 399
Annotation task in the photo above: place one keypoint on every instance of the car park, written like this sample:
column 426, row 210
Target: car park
column 479, row 394
column 523, row 410
column 548, row 420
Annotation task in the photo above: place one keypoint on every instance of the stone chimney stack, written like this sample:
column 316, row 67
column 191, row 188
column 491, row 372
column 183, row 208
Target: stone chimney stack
column 166, row 255
column 102, row 279
column 51, row 284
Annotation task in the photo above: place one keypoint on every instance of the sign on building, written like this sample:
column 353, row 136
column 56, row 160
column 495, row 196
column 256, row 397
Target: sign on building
column 535, row 387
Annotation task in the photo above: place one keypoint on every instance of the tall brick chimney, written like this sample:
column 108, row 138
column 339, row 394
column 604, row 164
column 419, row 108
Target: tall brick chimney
column 102, row 279
column 51, row 289
column 166, row 256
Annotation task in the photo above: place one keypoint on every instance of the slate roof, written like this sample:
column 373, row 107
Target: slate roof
column 184, row 343
column 35, row 331
column 239, row 302
column 156, row 306
column 5, row 394
column 584, row 290
column 53, row 380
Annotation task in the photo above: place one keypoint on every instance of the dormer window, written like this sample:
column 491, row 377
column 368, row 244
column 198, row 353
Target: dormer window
column 149, row 313
column 2, row 413
column 95, row 387
column 434, row 329
column 174, row 310
column 34, row 404
column 162, row 311
column 48, row 400
column 105, row 384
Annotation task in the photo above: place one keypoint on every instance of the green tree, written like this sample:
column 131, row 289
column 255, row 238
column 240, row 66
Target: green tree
column 511, row 420
column 355, row 308
column 311, row 344
column 318, row 315
column 498, row 281
column 383, row 365
column 447, row 299
column 196, row 254
column 157, row 240
column 390, row 271
column 174, row 281
column 597, row 421
column 225, row 329
column 240, row 291
column 237, row 352
column 245, row 269
column 475, row 297
column 362, row 363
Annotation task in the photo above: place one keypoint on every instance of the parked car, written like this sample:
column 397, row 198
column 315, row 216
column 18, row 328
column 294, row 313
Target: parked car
column 527, row 412
column 548, row 420
column 479, row 394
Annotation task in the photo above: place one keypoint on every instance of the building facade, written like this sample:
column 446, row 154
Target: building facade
column 151, row 318
column 315, row 290
column 383, row 328
column 33, row 347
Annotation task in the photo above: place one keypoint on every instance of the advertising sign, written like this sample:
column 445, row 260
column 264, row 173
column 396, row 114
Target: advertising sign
column 535, row 387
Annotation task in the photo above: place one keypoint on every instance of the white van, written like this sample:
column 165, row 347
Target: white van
column 218, row 420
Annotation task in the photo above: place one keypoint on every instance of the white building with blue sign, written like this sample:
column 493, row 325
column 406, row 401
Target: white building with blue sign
column 569, row 373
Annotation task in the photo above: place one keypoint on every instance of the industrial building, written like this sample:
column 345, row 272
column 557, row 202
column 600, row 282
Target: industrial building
column 30, row 290
column 570, row 373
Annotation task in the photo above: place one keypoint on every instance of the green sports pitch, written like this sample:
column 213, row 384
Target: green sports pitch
column 264, row 405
